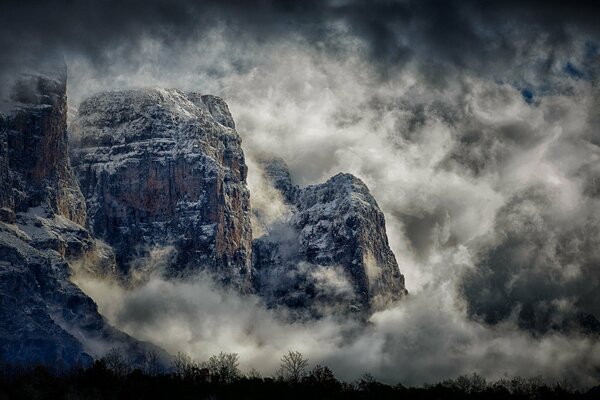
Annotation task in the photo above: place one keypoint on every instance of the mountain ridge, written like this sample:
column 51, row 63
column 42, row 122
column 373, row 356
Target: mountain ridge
column 160, row 168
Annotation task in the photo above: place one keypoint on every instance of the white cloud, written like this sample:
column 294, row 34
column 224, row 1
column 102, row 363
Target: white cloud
column 441, row 160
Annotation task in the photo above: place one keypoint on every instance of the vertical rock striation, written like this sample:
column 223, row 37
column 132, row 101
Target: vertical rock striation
column 33, row 143
column 44, row 317
column 165, row 168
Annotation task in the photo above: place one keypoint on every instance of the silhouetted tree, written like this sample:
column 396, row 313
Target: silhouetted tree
column 181, row 365
column 116, row 363
column 365, row 382
column 293, row 366
column 99, row 382
column 223, row 367
column 151, row 363
column 471, row 384
column 322, row 377
column 254, row 374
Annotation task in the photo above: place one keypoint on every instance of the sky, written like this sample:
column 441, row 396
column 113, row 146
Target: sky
column 473, row 123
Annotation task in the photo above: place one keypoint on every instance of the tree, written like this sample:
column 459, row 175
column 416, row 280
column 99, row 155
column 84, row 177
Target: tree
column 322, row 377
column 365, row 382
column 254, row 374
column 181, row 365
column 293, row 366
column 223, row 367
column 151, row 363
column 116, row 363
column 471, row 384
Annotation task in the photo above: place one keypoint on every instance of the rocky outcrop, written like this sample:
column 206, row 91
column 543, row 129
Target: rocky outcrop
column 165, row 168
column 33, row 142
column 44, row 317
column 332, row 253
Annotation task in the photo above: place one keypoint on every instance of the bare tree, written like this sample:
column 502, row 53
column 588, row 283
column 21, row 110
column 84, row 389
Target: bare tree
column 224, row 367
column 293, row 366
column 151, row 363
column 181, row 365
column 116, row 363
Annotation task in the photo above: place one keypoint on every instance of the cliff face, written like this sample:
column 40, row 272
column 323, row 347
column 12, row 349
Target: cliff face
column 33, row 136
column 332, row 252
column 166, row 168
column 43, row 316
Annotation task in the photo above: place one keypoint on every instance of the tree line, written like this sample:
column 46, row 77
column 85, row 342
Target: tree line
column 116, row 377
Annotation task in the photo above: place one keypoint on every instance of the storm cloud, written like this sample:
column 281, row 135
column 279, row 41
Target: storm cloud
column 478, row 35
column 474, row 124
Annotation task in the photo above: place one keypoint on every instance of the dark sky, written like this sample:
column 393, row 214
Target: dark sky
column 479, row 35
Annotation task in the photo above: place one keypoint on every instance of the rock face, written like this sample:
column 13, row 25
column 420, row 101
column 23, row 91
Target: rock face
column 43, row 316
column 165, row 168
column 33, row 137
column 332, row 253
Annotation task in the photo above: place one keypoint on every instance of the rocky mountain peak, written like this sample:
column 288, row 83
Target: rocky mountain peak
column 331, row 253
column 277, row 173
column 165, row 168
column 33, row 132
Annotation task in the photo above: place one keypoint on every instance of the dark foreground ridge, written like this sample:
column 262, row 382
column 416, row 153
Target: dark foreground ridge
column 219, row 378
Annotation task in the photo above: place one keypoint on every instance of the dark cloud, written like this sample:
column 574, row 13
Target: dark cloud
column 467, row 34
column 542, row 268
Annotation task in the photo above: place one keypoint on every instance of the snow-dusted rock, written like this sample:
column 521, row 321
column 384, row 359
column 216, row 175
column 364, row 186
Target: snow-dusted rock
column 44, row 317
column 35, row 168
column 332, row 252
column 165, row 168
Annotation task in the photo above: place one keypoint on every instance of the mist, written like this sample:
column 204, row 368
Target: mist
column 447, row 165
column 426, row 338
column 475, row 127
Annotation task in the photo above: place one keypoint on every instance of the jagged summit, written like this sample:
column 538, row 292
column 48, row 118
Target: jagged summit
column 38, row 84
column 35, row 168
column 334, row 244
column 126, row 116
column 342, row 190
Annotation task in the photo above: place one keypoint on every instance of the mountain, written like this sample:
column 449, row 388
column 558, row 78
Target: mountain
column 155, row 171
column 44, row 317
column 165, row 169
column 330, row 254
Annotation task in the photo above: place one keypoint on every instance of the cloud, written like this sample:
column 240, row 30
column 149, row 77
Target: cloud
column 474, row 124
column 424, row 338
column 469, row 173
column 479, row 36
column 541, row 265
